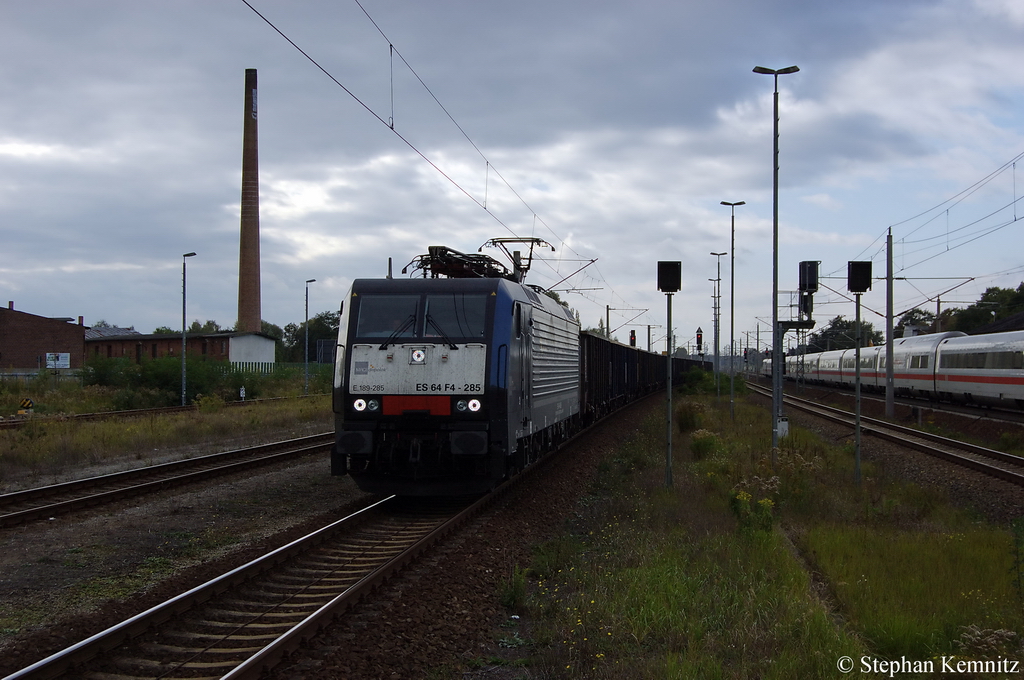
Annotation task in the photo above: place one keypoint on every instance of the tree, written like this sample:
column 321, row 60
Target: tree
column 597, row 330
column 914, row 317
column 271, row 330
column 841, row 334
column 210, row 326
column 323, row 326
column 165, row 330
column 995, row 304
column 555, row 296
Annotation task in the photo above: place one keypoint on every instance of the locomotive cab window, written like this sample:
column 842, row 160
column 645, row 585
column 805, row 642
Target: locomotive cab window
column 381, row 316
column 455, row 315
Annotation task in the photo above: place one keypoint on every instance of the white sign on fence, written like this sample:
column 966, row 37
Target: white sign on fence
column 58, row 360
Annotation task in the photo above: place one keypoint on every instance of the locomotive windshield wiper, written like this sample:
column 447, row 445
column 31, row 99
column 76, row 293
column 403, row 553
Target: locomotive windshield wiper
column 398, row 331
column 444, row 336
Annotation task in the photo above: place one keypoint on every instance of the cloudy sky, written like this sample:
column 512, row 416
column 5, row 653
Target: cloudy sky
column 612, row 130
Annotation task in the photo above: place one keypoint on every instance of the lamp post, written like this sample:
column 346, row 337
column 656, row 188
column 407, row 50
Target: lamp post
column 183, row 329
column 732, row 308
column 306, row 388
column 776, row 339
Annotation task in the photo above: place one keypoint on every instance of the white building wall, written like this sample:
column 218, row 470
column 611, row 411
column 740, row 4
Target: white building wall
column 251, row 348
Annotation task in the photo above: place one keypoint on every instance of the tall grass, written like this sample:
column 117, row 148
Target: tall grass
column 118, row 384
column 914, row 592
column 60, row 447
column 662, row 584
column 712, row 578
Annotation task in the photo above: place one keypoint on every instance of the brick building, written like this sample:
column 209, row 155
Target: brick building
column 232, row 347
column 29, row 342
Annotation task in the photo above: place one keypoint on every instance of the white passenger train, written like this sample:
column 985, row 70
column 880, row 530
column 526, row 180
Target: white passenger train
column 948, row 366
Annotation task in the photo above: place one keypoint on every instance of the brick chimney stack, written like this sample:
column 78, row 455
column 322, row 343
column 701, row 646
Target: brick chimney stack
column 249, row 310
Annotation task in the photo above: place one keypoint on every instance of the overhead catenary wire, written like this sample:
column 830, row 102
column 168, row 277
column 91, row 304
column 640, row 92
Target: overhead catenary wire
column 948, row 238
column 390, row 123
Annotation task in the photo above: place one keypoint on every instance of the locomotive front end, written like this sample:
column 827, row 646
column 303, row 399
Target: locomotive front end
column 411, row 387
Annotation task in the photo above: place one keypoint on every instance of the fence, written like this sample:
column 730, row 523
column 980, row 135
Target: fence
column 277, row 368
column 56, row 375
column 267, row 368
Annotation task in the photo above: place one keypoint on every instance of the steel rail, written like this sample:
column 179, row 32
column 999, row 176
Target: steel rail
column 926, row 442
column 141, row 480
column 256, row 664
column 61, row 662
column 73, row 659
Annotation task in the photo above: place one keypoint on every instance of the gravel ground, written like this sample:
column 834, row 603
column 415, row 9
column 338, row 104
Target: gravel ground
column 65, row 579
column 997, row 501
column 73, row 576
column 64, row 576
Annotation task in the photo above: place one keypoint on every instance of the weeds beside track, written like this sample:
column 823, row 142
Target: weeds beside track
column 741, row 570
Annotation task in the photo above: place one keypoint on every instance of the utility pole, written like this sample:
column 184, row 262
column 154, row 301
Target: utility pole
column 890, row 385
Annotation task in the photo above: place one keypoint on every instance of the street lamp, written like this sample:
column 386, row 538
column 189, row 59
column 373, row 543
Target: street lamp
column 306, row 388
column 183, row 403
column 732, row 307
column 718, row 307
column 776, row 340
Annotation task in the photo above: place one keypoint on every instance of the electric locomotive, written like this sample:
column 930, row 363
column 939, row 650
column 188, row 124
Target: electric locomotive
column 446, row 386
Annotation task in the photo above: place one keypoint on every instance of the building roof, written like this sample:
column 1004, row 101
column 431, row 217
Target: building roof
column 128, row 334
column 108, row 332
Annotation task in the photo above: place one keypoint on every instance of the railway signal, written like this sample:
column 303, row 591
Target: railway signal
column 670, row 279
column 858, row 280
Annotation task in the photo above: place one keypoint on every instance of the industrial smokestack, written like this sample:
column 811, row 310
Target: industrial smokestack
column 249, row 310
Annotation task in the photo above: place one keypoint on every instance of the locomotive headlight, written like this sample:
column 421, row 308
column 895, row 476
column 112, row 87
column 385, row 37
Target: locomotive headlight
column 461, row 405
column 418, row 356
column 474, row 405
column 359, row 404
column 373, row 405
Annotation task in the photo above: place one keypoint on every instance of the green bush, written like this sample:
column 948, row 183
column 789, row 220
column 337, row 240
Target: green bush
column 512, row 592
column 756, row 515
column 698, row 381
column 703, row 444
column 689, row 415
column 110, row 372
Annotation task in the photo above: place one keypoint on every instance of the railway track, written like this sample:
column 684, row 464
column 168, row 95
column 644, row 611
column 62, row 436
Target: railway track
column 968, row 409
column 997, row 464
column 244, row 622
column 45, row 502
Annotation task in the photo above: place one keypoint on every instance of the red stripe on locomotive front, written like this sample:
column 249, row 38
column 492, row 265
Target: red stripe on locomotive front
column 400, row 404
